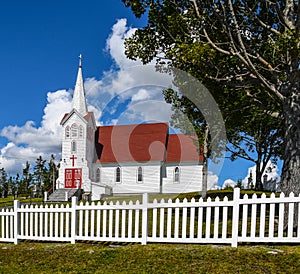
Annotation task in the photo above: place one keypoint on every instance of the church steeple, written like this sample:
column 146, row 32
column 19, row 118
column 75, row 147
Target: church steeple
column 79, row 101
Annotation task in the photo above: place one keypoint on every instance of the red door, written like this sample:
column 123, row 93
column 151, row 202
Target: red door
column 73, row 178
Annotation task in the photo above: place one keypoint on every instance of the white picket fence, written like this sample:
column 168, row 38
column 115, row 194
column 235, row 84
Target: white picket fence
column 218, row 222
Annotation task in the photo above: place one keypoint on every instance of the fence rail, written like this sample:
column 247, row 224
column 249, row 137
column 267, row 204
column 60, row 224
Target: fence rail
column 246, row 219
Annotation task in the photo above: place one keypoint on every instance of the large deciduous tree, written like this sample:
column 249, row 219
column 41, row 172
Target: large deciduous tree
column 249, row 48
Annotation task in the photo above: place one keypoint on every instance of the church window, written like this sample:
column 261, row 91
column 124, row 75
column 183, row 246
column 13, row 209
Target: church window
column 74, row 130
column 98, row 175
column 176, row 175
column 73, row 146
column 140, row 175
column 118, row 175
column 67, row 132
column 80, row 131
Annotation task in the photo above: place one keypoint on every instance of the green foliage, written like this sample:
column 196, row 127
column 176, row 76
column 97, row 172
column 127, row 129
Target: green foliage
column 32, row 182
column 246, row 53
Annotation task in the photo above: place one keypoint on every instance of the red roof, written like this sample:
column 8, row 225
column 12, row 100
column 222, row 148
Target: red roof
column 183, row 148
column 127, row 143
column 143, row 143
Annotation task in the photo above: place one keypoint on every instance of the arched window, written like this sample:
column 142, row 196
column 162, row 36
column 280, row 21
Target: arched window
column 176, row 175
column 118, row 175
column 140, row 175
column 98, row 175
column 73, row 146
column 67, row 132
column 74, row 131
column 80, row 131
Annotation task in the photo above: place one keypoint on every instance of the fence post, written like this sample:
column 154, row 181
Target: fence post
column 235, row 216
column 45, row 196
column 16, row 221
column 145, row 219
column 73, row 220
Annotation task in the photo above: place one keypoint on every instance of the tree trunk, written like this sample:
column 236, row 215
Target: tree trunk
column 258, row 175
column 205, row 163
column 290, row 177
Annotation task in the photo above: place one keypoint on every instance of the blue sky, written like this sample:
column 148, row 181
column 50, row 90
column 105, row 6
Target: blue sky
column 40, row 44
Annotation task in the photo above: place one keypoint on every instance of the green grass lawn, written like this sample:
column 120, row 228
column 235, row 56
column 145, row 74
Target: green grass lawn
column 30, row 257
column 9, row 201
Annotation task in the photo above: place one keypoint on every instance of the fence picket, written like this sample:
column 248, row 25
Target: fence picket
column 46, row 222
column 200, row 221
column 98, row 227
column 208, row 219
column 154, row 219
column 176, row 220
column 187, row 221
column 216, row 219
column 262, row 217
column 225, row 219
column 162, row 220
column 291, row 216
column 192, row 220
column 130, row 221
column 117, row 220
column 169, row 219
column 253, row 217
column 137, row 220
column 281, row 218
column 123, row 232
column 272, row 217
column 184, row 218
column 110, row 221
column 93, row 220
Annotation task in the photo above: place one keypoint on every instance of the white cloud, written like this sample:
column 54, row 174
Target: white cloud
column 141, row 95
column 115, row 44
column 229, row 183
column 212, row 180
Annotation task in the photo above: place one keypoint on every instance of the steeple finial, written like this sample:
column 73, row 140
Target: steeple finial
column 80, row 60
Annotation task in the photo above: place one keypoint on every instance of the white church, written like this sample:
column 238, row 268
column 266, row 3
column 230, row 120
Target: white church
column 124, row 159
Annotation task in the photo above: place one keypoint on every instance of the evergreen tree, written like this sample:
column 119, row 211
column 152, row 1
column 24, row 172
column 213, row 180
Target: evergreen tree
column 25, row 183
column 3, row 183
column 39, row 174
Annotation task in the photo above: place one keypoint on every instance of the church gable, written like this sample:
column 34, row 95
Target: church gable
column 74, row 114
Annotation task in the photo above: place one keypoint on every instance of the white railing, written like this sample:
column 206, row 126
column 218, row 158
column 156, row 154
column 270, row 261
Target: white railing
column 221, row 222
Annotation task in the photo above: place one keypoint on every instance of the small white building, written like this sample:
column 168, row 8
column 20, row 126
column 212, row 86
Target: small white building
column 105, row 160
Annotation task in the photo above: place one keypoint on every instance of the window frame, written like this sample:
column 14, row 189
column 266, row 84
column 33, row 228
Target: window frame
column 74, row 131
column 67, row 132
column 118, row 175
column 176, row 175
column 73, row 146
column 98, row 175
column 140, row 177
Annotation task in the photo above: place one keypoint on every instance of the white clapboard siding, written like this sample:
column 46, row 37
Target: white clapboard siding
column 190, row 179
column 246, row 219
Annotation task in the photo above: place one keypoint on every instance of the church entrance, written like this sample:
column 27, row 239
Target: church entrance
column 73, row 178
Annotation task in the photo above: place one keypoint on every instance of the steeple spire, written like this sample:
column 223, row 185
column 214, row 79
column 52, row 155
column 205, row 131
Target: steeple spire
column 79, row 101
